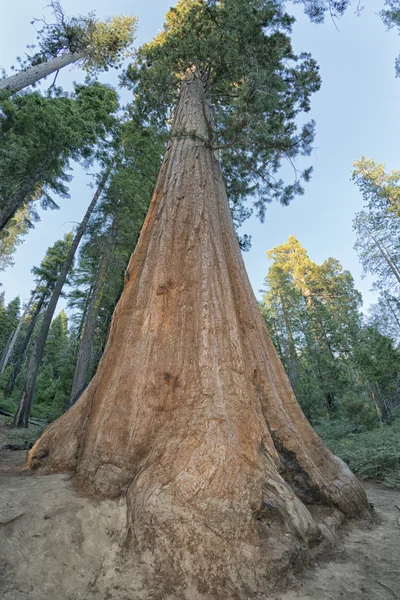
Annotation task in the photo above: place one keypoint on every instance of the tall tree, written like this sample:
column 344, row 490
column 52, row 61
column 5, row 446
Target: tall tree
column 55, row 374
column 317, row 308
column 385, row 316
column 190, row 412
column 21, row 418
column 45, row 276
column 377, row 229
column 95, row 45
column 12, row 236
column 9, row 317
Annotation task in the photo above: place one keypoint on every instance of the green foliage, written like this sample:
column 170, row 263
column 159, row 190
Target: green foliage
column 256, row 84
column 41, row 135
column 337, row 365
column 49, row 269
column 377, row 229
column 13, row 235
column 56, row 372
column 9, row 316
column 103, row 44
column 358, row 411
column 370, row 455
column 312, row 312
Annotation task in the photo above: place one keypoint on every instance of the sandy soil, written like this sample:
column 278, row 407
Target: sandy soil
column 56, row 545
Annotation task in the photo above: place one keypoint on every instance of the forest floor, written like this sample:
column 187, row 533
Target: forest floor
column 58, row 545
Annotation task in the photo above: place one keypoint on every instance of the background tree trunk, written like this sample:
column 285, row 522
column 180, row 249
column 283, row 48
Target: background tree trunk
column 17, row 200
column 83, row 361
column 24, row 345
column 6, row 351
column 33, row 74
column 11, row 345
column 24, row 407
column 190, row 412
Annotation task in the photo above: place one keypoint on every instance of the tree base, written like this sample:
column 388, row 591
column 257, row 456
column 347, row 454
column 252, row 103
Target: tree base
column 230, row 530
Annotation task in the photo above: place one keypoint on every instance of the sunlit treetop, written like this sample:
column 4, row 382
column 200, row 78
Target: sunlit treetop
column 256, row 84
column 104, row 44
column 380, row 189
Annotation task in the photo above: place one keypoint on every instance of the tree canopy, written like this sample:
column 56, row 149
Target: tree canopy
column 256, row 84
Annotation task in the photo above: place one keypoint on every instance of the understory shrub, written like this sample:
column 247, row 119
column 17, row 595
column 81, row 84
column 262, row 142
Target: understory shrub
column 371, row 454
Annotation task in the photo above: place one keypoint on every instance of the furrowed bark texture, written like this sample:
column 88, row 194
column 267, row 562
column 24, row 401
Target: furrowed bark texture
column 190, row 412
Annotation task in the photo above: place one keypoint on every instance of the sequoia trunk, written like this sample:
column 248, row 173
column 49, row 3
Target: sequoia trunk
column 33, row 74
column 190, row 413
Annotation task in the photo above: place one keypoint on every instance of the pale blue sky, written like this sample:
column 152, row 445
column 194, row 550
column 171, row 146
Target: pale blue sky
column 356, row 112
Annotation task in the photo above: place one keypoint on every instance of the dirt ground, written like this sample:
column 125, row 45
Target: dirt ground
column 56, row 545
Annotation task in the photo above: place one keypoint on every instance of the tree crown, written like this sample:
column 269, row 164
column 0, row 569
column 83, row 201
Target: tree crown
column 103, row 43
column 257, row 86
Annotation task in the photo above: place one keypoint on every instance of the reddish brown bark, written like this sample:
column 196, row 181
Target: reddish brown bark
column 190, row 412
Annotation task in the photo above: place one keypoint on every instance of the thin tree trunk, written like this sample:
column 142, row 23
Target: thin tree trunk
column 7, row 356
column 23, row 347
column 389, row 304
column 292, row 362
column 5, row 351
column 384, row 253
column 31, row 75
column 16, row 201
column 190, row 415
column 25, row 401
column 83, row 361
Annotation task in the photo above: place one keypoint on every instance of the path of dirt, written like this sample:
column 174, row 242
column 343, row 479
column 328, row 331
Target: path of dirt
column 56, row 545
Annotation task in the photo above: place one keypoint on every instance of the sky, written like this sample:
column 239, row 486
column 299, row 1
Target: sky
column 356, row 113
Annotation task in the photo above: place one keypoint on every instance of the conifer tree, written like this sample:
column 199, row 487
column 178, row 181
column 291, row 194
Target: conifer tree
column 95, row 45
column 28, row 389
column 41, row 135
column 45, row 276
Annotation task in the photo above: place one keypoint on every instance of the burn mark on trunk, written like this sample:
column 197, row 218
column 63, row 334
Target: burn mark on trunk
column 296, row 476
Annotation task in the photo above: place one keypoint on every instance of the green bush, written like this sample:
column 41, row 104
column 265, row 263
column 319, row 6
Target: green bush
column 370, row 455
column 360, row 413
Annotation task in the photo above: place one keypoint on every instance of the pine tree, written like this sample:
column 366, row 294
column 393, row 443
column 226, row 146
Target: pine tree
column 317, row 307
column 45, row 277
column 9, row 317
column 95, row 45
column 28, row 389
column 40, row 136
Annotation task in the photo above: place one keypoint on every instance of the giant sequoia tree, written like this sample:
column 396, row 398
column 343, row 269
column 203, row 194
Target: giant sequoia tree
column 190, row 413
